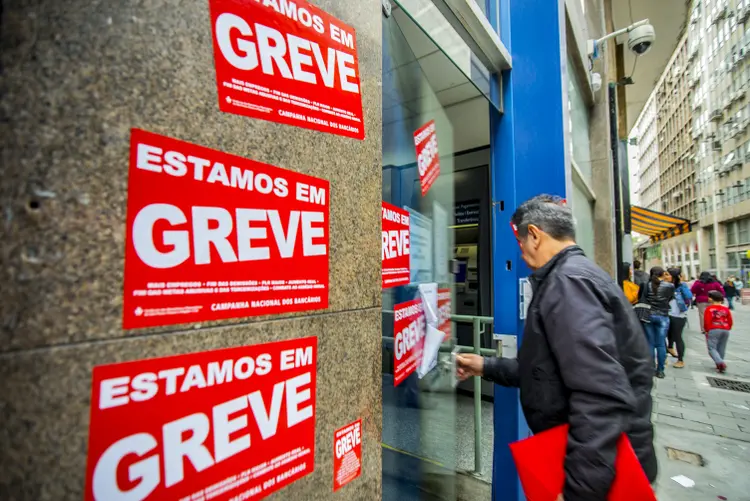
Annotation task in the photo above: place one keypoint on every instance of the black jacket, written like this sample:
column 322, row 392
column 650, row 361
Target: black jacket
column 584, row 361
column 659, row 301
column 730, row 290
column 640, row 278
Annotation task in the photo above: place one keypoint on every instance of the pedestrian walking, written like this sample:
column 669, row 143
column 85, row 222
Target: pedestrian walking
column 738, row 283
column 628, row 286
column 640, row 277
column 731, row 292
column 700, row 290
column 583, row 360
column 678, row 310
column 718, row 324
column 657, row 294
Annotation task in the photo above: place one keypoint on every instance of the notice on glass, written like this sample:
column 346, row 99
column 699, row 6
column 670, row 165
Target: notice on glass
column 395, row 246
column 428, row 158
column 213, row 236
column 409, row 328
column 420, row 247
column 441, row 243
column 229, row 424
column 287, row 61
column 347, row 454
column 444, row 313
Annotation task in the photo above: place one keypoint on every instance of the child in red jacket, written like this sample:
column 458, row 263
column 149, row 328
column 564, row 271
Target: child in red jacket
column 717, row 322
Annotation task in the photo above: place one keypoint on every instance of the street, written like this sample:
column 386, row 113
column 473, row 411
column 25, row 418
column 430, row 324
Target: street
column 702, row 432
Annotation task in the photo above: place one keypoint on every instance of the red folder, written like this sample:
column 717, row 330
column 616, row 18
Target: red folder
column 540, row 463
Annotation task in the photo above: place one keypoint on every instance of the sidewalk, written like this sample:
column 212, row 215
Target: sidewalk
column 708, row 428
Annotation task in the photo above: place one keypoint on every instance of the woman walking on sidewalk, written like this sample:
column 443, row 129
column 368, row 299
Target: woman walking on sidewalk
column 678, row 310
column 731, row 292
column 657, row 293
column 700, row 290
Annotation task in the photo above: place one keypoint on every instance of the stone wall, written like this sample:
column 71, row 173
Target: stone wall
column 77, row 76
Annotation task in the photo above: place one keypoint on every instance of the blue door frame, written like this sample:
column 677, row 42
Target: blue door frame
column 528, row 157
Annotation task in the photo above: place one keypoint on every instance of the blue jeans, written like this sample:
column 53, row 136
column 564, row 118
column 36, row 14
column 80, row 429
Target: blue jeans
column 730, row 300
column 656, row 333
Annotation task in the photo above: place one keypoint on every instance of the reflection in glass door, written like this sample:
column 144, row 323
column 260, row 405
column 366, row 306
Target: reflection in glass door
column 420, row 83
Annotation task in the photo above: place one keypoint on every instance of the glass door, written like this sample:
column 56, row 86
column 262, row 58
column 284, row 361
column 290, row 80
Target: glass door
column 429, row 110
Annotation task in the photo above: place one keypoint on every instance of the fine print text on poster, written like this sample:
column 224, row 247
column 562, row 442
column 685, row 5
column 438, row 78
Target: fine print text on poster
column 347, row 454
column 395, row 246
column 213, row 236
column 287, row 62
column 236, row 423
column 428, row 158
column 409, row 329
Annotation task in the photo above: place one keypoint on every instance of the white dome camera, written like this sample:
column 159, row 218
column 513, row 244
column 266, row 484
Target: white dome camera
column 641, row 36
column 641, row 39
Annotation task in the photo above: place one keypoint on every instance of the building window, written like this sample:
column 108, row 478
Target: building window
column 744, row 231
column 712, row 261
column 732, row 233
column 732, row 260
column 711, row 239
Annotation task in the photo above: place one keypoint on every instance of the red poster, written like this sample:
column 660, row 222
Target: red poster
column 444, row 313
column 408, row 338
column 395, row 246
column 212, row 235
column 287, row 61
column 347, row 454
column 428, row 159
column 237, row 423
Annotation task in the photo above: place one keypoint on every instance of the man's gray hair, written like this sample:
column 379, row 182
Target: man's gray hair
column 548, row 213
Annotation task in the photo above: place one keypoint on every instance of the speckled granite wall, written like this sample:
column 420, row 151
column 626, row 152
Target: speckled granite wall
column 76, row 76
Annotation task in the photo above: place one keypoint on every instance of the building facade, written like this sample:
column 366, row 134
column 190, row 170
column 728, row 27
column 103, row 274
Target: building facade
column 718, row 38
column 663, row 166
column 645, row 165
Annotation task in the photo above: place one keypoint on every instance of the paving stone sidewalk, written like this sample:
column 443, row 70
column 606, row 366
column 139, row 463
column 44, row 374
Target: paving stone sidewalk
column 692, row 416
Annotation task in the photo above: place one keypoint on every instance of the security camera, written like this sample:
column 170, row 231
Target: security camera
column 641, row 36
column 641, row 39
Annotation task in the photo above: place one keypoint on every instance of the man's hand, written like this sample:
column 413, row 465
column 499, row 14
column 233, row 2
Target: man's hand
column 468, row 365
column 560, row 498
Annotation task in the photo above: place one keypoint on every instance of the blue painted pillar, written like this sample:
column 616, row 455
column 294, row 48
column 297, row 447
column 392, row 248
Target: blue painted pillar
column 529, row 156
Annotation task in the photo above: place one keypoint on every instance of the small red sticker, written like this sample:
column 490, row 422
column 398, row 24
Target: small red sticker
column 287, row 62
column 428, row 157
column 347, row 454
column 395, row 246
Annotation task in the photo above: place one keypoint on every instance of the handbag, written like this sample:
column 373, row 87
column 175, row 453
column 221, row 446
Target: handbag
column 643, row 309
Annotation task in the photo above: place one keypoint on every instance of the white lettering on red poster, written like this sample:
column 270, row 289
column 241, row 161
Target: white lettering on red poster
column 444, row 313
column 428, row 158
column 395, row 246
column 287, row 61
column 237, row 423
column 408, row 338
column 213, row 236
column 347, row 454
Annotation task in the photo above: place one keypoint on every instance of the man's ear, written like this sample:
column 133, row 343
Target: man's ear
column 534, row 233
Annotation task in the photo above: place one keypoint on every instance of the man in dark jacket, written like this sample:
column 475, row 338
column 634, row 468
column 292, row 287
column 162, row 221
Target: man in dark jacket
column 640, row 277
column 584, row 360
